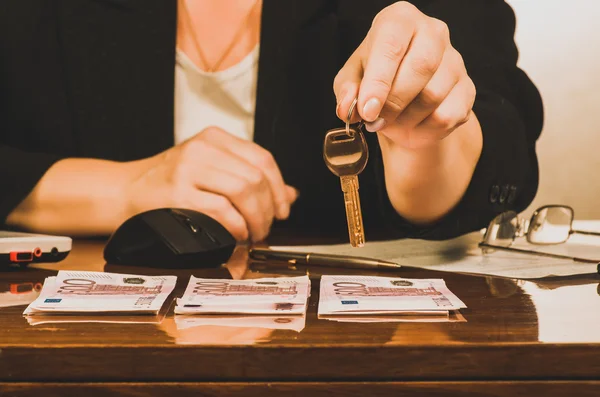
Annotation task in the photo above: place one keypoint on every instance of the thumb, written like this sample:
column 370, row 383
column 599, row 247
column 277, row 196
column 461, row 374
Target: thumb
column 346, row 85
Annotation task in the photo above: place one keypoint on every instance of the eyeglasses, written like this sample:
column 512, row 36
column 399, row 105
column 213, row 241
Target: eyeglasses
column 549, row 225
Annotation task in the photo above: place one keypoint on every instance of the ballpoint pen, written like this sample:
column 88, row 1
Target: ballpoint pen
column 309, row 258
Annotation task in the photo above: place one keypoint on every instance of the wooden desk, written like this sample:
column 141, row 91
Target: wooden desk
column 520, row 339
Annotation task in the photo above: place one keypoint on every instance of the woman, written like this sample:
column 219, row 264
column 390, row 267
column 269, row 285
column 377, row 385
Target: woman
column 112, row 107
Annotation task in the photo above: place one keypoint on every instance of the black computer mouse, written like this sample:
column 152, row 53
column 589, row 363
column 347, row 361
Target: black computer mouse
column 170, row 238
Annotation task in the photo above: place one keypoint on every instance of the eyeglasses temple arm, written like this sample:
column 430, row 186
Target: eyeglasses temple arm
column 546, row 254
column 586, row 233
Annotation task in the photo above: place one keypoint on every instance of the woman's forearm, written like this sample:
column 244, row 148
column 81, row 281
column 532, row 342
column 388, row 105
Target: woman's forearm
column 425, row 184
column 77, row 197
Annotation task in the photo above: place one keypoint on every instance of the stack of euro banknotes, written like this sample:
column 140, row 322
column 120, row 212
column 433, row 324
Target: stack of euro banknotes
column 341, row 298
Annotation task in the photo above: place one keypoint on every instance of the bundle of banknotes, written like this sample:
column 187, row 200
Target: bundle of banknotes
column 96, row 292
column 272, row 296
column 342, row 298
column 78, row 292
column 365, row 298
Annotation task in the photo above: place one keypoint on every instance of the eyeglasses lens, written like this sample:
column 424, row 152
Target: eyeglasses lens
column 550, row 225
column 502, row 230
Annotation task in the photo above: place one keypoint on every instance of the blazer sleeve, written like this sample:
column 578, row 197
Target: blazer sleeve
column 510, row 111
column 20, row 171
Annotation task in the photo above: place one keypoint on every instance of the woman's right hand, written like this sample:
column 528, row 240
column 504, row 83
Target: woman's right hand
column 232, row 180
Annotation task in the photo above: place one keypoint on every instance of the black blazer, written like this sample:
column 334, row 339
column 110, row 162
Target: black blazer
column 95, row 78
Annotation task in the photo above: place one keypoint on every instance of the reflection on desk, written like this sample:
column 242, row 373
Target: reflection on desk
column 490, row 316
column 17, row 293
column 514, row 331
column 294, row 323
column 566, row 314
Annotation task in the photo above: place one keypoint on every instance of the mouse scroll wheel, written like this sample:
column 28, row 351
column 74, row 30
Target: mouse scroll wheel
column 190, row 225
column 197, row 230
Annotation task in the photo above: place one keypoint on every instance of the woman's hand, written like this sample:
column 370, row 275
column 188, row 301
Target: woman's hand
column 411, row 84
column 234, row 181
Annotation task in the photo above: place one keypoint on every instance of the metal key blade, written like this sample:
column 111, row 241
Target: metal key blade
column 356, row 231
column 346, row 156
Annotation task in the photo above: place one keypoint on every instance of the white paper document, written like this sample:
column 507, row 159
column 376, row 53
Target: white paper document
column 578, row 245
column 463, row 255
column 77, row 292
column 279, row 295
column 367, row 295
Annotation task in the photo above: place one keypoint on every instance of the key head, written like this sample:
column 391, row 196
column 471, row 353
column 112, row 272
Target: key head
column 345, row 154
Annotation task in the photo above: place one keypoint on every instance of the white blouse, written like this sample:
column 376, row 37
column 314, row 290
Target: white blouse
column 224, row 99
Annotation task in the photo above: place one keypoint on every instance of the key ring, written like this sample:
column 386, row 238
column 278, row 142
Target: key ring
column 349, row 118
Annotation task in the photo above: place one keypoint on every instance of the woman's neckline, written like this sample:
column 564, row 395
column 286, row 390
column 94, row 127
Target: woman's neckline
column 228, row 73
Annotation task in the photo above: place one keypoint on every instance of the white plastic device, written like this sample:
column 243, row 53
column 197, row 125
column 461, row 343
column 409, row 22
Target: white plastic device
column 21, row 249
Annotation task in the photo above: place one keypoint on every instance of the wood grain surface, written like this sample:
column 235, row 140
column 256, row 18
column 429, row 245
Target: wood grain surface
column 518, row 337
column 332, row 389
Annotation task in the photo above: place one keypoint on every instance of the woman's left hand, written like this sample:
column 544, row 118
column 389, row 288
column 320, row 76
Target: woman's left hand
column 412, row 85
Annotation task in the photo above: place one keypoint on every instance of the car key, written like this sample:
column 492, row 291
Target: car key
column 346, row 153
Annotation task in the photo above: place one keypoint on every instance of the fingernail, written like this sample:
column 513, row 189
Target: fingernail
column 371, row 109
column 376, row 125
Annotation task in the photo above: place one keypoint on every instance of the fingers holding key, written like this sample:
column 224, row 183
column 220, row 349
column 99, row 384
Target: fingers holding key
column 415, row 73
column 432, row 95
column 455, row 111
column 386, row 46
column 403, row 71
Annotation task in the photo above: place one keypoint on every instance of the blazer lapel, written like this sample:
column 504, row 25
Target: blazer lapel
column 119, row 58
column 281, row 22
